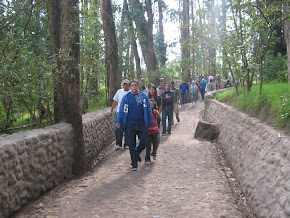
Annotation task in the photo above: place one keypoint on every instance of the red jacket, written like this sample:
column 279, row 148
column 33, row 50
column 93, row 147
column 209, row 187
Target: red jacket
column 154, row 129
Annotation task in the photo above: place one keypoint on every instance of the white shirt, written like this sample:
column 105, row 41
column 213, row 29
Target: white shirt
column 118, row 97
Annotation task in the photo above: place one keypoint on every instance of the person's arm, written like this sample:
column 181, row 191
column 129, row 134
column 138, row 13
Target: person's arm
column 156, row 112
column 149, row 112
column 113, row 107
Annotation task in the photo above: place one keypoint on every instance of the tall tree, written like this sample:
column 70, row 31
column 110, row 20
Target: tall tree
column 145, row 33
column 66, row 33
column 212, row 48
column 134, row 47
column 185, row 48
column 54, row 13
column 287, row 33
column 161, row 41
column 111, row 50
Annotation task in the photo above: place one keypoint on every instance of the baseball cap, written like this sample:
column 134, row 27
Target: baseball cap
column 125, row 81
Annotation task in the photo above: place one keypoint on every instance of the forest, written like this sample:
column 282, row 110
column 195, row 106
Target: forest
column 60, row 59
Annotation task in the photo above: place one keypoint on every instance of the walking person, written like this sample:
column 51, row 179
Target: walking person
column 193, row 89
column 167, row 97
column 135, row 117
column 183, row 91
column 153, row 134
column 153, row 95
column 117, row 101
column 210, row 86
column 177, row 99
column 202, row 88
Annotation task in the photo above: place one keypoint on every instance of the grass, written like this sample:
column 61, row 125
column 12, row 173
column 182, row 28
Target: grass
column 274, row 101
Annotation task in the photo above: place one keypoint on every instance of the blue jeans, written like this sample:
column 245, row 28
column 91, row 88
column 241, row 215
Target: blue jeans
column 143, row 135
column 153, row 140
column 167, row 111
column 202, row 92
column 119, row 137
column 183, row 98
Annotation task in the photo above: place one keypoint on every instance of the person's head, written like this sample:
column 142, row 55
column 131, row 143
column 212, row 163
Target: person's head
column 167, row 87
column 193, row 82
column 125, row 84
column 152, row 92
column 153, row 104
column 134, row 86
column 202, row 80
column 172, row 85
column 184, row 81
column 228, row 81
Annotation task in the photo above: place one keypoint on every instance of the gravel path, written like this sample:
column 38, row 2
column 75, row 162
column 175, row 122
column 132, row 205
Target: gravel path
column 186, row 180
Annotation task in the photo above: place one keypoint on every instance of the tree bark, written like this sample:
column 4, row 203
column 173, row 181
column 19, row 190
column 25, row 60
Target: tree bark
column 133, row 40
column 212, row 49
column 287, row 35
column 162, row 46
column 145, row 34
column 111, row 49
column 185, row 48
column 53, row 9
column 224, row 32
column 70, row 99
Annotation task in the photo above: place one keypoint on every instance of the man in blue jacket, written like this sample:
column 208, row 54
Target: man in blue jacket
column 135, row 116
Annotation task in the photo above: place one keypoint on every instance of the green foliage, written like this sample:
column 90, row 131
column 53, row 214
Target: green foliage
column 273, row 102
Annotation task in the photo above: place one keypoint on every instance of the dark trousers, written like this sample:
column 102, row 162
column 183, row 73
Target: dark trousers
column 183, row 98
column 143, row 135
column 153, row 140
column 167, row 111
column 119, row 137
column 202, row 92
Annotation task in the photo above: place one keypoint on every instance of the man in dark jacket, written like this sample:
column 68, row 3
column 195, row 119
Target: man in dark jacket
column 167, row 98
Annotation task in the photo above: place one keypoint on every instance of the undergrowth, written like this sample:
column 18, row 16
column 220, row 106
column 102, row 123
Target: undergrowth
column 274, row 101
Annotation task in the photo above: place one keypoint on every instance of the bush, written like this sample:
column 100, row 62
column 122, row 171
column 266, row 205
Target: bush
column 274, row 101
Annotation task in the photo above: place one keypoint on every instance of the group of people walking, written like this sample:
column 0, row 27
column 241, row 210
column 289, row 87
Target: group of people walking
column 138, row 114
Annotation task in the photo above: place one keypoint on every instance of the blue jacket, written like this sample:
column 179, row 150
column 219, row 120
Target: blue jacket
column 122, row 116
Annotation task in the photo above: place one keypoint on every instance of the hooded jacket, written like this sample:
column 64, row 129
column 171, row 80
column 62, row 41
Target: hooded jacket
column 122, row 115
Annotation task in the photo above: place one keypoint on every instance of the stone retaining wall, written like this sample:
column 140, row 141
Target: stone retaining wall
column 35, row 161
column 259, row 158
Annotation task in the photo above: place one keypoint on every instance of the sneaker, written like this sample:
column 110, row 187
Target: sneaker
column 134, row 168
column 117, row 147
column 164, row 133
column 147, row 162
column 126, row 147
column 169, row 133
column 178, row 120
column 154, row 157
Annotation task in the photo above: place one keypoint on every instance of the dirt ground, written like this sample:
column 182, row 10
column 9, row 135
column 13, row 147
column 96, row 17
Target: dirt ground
column 188, row 179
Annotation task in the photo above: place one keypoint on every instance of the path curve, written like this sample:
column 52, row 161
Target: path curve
column 186, row 180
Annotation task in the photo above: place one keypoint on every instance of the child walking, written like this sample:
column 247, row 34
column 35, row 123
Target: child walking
column 153, row 134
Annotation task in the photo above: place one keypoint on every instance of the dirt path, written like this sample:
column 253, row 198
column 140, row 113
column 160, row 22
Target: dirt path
column 186, row 180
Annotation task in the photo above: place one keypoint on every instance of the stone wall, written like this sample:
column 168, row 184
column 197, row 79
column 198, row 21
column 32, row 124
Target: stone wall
column 35, row 161
column 99, row 131
column 259, row 158
column 32, row 162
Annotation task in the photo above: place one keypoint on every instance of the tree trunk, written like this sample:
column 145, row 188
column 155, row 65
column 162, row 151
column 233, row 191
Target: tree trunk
column 287, row 35
column 224, row 32
column 53, row 9
column 133, row 40
column 185, row 48
column 111, row 49
column 145, row 33
column 192, row 42
column 212, row 49
column 162, row 46
column 151, row 53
